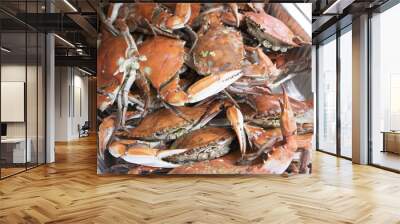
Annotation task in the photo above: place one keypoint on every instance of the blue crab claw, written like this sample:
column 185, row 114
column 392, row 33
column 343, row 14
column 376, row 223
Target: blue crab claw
column 235, row 117
column 151, row 157
column 211, row 85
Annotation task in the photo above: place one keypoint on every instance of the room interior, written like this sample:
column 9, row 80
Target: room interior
column 50, row 127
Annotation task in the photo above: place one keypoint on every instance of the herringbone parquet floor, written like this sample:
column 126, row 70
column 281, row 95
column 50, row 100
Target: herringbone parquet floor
column 69, row 191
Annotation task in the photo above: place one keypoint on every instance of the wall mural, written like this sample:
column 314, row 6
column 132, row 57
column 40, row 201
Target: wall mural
column 204, row 89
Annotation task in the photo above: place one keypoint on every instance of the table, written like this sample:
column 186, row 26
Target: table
column 391, row 141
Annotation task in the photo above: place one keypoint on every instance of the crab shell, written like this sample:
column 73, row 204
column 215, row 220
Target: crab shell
column 264, row 110
column 219, row 49
column 260, row 137
column 204, row 144
column 143, row 11
column 268, row 105
column 266, row 27
column 165, row 57
column 110, row 54
column 165, row 124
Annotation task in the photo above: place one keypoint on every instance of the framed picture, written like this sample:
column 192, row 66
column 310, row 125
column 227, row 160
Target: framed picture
column 205, row 88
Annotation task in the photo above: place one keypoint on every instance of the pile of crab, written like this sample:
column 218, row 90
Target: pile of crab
column 192, row 88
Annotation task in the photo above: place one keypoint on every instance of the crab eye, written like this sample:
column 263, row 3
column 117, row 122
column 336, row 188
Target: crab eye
column 158, row 134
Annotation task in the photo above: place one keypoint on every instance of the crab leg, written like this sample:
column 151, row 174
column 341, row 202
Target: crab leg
column 125, row 95
column 193, row 37
column 144, row 85
column 134, row 100
column 112, row 15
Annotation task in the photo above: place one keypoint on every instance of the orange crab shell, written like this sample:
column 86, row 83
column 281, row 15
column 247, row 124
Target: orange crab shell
column 203, row 144
column 143, row 11
column 110, row 52
column 195, row 11
column 164, row 58
column 165, row 119
column 259, row 136
column 269, row 104
column 202, row 137
column 272, row 27
column 219, row 49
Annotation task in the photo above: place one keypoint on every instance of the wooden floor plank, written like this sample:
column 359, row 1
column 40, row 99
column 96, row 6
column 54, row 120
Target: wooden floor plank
column 69, row 191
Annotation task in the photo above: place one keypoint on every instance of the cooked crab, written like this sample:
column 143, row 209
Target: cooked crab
column 166, row 125
column 117, row 64
column 165, row 58
column 154, row 16
column 203, row 144
column 264, row 110
column 271, row 32
column 258, row 73
column 279, row 155
column 220, row 48
column 262, row 140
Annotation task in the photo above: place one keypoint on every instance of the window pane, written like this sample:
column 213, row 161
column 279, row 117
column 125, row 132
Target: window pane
column 31, row 97
column 13, row 86
column 327, row 97
column 346, row 93
column 41, row 99
column 385, row 89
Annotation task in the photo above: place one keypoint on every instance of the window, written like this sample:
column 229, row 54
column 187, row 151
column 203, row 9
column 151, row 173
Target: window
column 327, row 96
column 346, row 93
column 385, row 89
column 22, row 75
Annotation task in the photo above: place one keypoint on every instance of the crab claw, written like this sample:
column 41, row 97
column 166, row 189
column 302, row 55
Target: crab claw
column 106, row 130
column 212, row 84
column 182, row 15
column 288, row 122
column 173, row 94
column 235, row 11
column 236, row 119
column 151, row 157
column 282, row 155
column 120, row 147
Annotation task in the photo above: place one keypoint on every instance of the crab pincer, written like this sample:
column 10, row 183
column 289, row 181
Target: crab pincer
column 281, row 154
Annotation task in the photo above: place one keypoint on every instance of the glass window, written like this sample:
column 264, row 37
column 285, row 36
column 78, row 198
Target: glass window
column 346, row 93
column 385, row 89
column 22, row 90
column 14, row 151
column 327, row 96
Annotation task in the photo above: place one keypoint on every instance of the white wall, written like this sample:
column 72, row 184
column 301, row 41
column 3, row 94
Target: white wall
column 71, row 102
column 34, row 125
column 13, row 73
